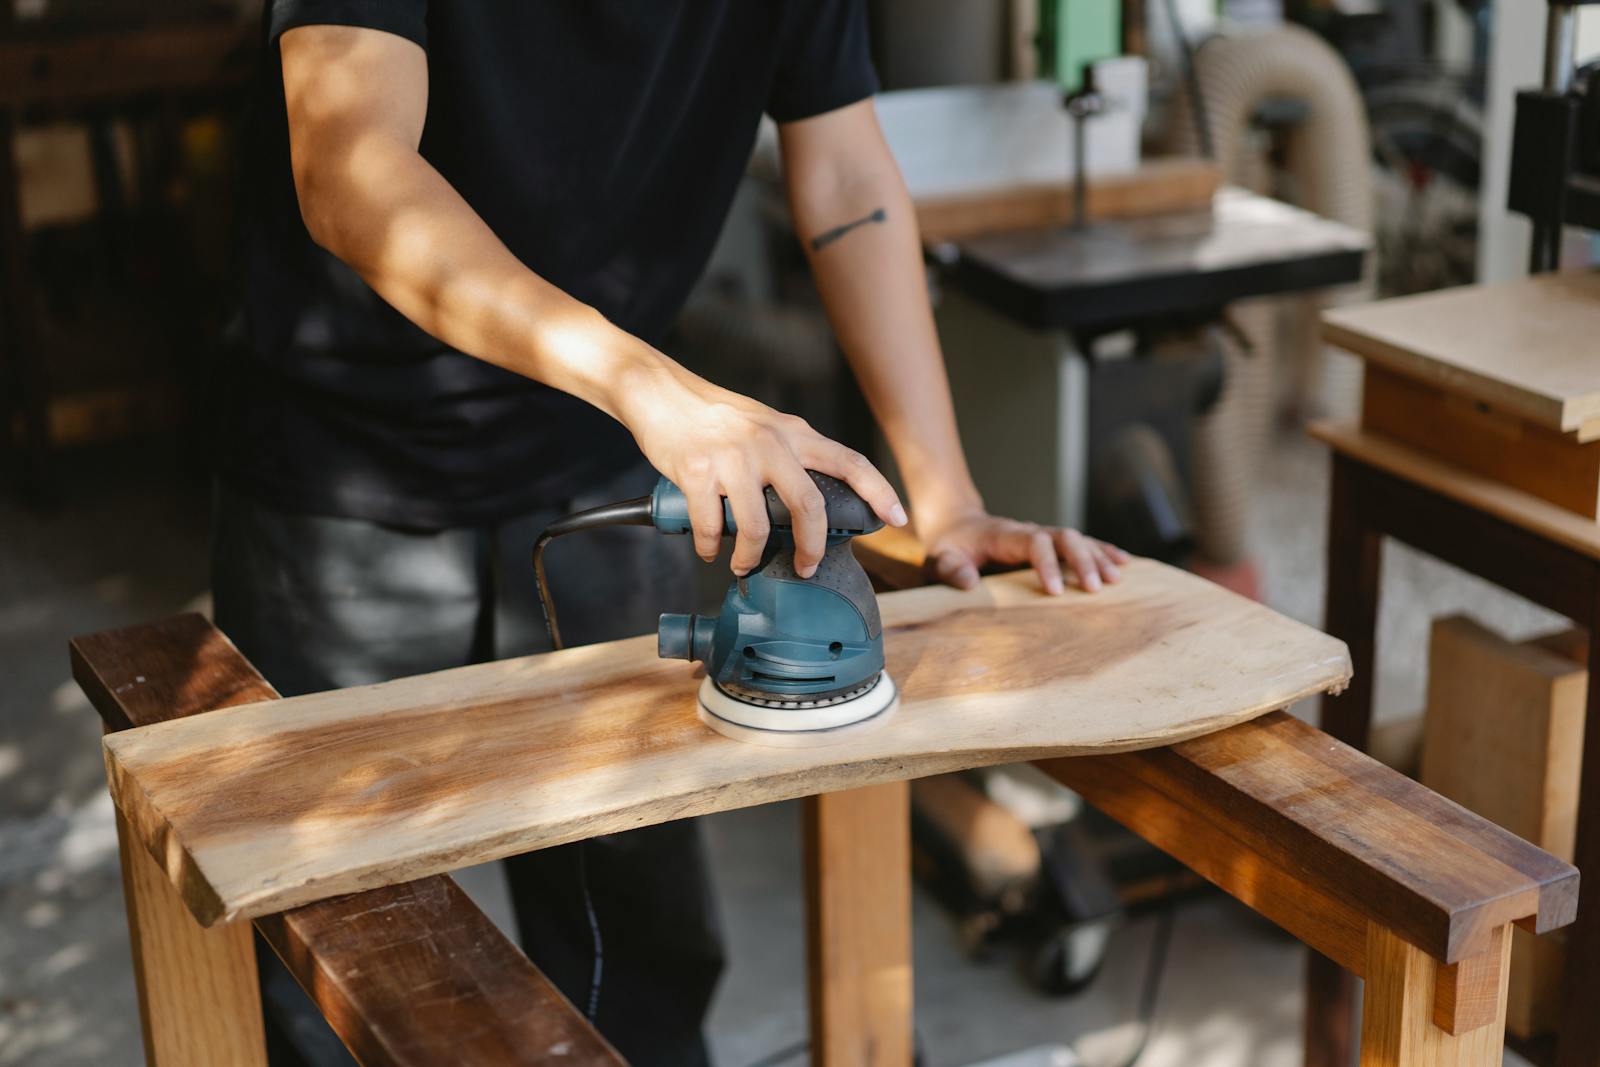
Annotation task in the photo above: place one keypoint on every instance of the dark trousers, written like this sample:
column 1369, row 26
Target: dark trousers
column 320, row 603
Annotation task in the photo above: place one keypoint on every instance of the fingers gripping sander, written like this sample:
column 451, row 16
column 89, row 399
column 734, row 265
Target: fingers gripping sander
column 788, row 660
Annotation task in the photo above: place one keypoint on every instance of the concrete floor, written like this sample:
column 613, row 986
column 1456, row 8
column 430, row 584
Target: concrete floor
column 129, row 545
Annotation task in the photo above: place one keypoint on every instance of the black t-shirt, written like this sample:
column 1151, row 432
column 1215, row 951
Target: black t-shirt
column 602, row 141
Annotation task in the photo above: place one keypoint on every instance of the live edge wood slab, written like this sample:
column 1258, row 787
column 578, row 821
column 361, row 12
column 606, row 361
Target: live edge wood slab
column 259, row 808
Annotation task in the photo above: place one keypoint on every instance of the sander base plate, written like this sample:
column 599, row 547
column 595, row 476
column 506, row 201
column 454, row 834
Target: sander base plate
column 789, row 727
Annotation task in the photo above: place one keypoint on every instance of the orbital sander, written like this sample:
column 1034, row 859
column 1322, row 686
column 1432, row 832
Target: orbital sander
column 789, row 660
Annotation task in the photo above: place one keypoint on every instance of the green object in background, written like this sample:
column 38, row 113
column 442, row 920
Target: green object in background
column 1075, row 32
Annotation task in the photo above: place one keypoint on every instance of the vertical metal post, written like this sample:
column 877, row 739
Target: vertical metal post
column 1082, row 106
column 1080, row 171
column 1560, row 43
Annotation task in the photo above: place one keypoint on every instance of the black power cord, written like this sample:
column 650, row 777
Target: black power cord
column 1154, row 968
column 635, row 512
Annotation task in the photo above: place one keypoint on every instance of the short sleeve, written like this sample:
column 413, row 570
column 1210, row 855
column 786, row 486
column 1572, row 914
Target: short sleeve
column 825, row 61
column 404, row 18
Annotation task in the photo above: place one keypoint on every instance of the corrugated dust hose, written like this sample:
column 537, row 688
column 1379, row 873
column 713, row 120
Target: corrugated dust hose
column 1328, row 171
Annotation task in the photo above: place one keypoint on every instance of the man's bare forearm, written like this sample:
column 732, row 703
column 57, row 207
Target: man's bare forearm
column 371, row 199
column 855, row 219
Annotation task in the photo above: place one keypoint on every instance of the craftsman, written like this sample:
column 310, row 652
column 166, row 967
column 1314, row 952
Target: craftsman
column 467, row 225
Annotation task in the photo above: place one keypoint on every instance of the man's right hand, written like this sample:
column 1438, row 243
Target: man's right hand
column 713, row 443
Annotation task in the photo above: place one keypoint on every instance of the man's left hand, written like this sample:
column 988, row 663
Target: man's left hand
column 958, row 548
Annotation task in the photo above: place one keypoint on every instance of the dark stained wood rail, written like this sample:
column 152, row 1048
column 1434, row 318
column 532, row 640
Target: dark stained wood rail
column 409, row 975
column 1328, row 843
column 1355, row 830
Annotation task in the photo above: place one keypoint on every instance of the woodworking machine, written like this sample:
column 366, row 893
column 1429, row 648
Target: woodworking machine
column 789, row 660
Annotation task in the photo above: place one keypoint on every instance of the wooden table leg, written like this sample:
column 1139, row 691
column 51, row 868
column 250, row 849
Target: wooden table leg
column 199, row 1002
column 1578, row 1044
column 1355, row 562
column 1399, row 1004
column 1350, row 611
column 858, row 912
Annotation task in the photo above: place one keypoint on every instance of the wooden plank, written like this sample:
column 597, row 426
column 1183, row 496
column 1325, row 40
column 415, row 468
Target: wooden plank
column 362, row 958
column 260, row 808
column 1304, row 897
column 1470, row 434
column 1186, row 832
column 1504, row 731
column 1182, row 183
column 1397, row 1027
column 1526, row 346
column 858, row 909
column 1484, row 494
column 417, row 974
column 199, row 1002
column 1522, row 345
column 1353, row 831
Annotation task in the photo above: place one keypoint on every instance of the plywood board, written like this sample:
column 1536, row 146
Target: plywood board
column 1528, row 347
column 259, row 808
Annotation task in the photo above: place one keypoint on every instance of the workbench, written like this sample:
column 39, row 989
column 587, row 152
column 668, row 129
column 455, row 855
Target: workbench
column 1478, row 446
column 1017, row 312
column 330, row 820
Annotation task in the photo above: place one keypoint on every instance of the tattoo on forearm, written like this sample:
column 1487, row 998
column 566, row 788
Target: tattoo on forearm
column 823, row 240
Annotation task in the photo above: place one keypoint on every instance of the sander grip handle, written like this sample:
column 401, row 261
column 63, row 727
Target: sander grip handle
column 848, row 515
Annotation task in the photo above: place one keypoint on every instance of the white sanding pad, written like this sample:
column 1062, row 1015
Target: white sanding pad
column 829, row 724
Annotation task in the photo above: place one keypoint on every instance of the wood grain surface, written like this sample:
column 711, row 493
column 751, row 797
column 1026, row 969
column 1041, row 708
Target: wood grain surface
column 1504, row 731
column 858, row 925
column 260, row 808
column 199, row 998
column 1398, row 852
column 363, row 958
column 1526, row 346
column 1494, row 498
column 1177, row 183
column 1470, row 434
column 1399, row 1004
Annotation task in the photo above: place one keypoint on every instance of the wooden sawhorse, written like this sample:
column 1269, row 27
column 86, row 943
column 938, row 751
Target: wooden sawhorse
column 1393, row 882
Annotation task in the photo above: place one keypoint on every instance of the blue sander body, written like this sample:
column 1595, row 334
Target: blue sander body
column 788, row 660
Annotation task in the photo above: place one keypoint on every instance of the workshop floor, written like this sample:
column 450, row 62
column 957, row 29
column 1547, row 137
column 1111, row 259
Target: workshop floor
column 129, row 545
